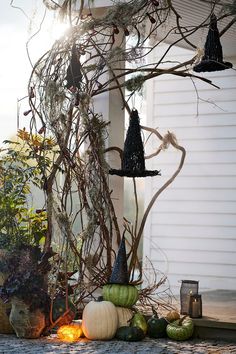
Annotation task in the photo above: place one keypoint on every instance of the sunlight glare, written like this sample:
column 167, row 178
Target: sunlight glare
column 58, row 30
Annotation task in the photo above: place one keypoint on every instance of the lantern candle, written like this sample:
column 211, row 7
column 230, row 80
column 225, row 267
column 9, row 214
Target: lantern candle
column 188, row 287
column 195, row 306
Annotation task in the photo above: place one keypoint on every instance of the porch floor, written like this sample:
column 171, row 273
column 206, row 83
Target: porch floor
column 219, row 316
column 219, row 305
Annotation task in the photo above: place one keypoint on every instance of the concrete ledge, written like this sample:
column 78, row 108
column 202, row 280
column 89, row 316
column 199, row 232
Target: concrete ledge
column 206, row 328
column 209, row 322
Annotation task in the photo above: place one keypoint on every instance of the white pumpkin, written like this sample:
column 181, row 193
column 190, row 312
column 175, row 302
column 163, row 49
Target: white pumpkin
column 100, row 320
column 124, row 316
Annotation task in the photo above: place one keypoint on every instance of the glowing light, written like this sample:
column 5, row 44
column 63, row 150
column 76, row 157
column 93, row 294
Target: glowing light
column 71, row 332
column 58, row 30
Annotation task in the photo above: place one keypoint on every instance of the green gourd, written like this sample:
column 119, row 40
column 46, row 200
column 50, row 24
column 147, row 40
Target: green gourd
column 139, row 320
column 130, row 334
column 156, row 327
column 181, row 329
column 123, row 295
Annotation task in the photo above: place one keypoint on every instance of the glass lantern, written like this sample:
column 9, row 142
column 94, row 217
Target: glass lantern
column 195, row 306
column 188, row 287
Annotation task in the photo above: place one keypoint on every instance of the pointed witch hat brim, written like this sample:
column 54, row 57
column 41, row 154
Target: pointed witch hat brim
column 211, row 65
column 134, row 173
column 120, row 268
column 213, row 54
column 133, row 162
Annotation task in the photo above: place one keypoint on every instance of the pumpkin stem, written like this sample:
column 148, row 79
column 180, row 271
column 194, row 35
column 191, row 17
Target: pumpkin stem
column 99, row 299
column 181, row 320
column 154, row 312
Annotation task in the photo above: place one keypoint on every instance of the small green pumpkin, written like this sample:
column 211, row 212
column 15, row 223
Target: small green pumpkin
column 130, row 334
column 120, row 295
column 156, row 327
column 181, row 329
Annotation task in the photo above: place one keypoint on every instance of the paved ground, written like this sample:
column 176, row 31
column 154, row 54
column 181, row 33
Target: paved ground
column 9, row 344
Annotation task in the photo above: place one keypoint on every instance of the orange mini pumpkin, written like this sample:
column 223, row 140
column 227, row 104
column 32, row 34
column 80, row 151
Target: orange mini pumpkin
column 172, row 316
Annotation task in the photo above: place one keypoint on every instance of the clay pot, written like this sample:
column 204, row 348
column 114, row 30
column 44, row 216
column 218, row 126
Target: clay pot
column 26, row 323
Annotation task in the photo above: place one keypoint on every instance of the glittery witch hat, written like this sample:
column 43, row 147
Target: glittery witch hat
column 120, row 269
column 213, row 55
column 133, row 163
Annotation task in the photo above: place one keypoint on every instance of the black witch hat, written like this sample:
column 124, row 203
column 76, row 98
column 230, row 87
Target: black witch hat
column 133, row 163
column 120, row 269
column 73, row 74
column 213, row 55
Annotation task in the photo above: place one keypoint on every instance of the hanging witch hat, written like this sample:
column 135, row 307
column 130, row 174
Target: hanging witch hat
column 73, row 73
column 120, row 269
column 213, row 55
column 133, row 162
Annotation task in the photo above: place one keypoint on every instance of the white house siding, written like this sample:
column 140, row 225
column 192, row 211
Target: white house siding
column 191, row 229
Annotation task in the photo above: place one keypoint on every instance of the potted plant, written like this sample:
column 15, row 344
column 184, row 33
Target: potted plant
column 20, row 226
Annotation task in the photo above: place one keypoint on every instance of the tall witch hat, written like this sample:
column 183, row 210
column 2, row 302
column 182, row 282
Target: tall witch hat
column 133, row 163
column 213, row 55
column 120, row 269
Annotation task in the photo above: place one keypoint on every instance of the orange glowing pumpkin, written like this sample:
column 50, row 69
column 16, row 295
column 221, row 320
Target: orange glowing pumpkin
column 70, row 333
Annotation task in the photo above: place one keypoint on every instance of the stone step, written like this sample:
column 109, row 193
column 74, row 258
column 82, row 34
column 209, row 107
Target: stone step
column 208, row 328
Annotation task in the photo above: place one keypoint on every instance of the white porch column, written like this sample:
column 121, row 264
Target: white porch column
column 110, row 105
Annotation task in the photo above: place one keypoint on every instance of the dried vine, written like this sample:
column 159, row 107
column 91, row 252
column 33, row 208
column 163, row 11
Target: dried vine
column 86, row 62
